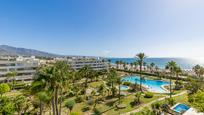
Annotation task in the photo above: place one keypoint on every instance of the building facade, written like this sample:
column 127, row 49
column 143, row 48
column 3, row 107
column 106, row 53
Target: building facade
column 25, row 67
column 77, row 62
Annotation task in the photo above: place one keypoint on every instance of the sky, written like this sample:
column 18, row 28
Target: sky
column 110, row 28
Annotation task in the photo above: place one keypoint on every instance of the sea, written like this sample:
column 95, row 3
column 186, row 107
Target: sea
column 184, row 63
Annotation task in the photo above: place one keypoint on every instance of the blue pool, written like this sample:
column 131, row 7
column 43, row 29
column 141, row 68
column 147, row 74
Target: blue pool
column 151, row 85
column 123, row 87
column 180, row 108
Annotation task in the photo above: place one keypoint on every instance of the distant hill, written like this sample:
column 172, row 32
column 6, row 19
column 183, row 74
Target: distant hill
column 10, row 50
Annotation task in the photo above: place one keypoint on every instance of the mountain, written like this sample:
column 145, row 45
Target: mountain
column 10, row 50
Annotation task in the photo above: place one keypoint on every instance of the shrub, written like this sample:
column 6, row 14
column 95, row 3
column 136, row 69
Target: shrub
column 127, row 83
column 97, row 112
column 148, row 95
column 85, row 108
column 170, row 101
column 90, row 102
column 70, row 104
column 4, row 88
column 79, row 99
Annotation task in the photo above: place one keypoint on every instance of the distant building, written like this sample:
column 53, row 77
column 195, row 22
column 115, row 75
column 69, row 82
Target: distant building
column 77, row 62
column 24, row 66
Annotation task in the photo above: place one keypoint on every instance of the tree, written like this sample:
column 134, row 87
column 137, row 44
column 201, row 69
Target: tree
column 52, row 78
column 156, row 107
column 6, row 106
column 4, row 88
column 112, row 79
column 171, row 66
column 86, row 72
column 12, row 75
column 119, row 82
column 20, row 103
column 137, row 98
column 197, row 100
column 198, row 70
column 152, row 66
column 141, row 57
column 102, row 90
column 70, row 104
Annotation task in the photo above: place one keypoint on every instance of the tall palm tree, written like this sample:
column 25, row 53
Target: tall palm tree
column 52, row 78
column 112, row 78
column 171, row 66
column 140, row 59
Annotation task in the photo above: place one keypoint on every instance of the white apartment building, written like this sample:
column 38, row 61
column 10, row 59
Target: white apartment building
column 77, row 62
column 24, row 66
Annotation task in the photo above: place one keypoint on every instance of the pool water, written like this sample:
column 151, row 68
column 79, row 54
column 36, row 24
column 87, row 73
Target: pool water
column 181, row 108
column 151, row 85
column 123, row 87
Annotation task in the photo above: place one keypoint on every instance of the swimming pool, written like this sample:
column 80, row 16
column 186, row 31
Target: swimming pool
column 180, row 108
column 123, row 87
column 151, row 85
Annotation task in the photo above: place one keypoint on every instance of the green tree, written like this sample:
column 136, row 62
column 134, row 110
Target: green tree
column 20, row 102
column 6, row 106
column 52, row 78
column 4, row 88
column 102, row 90
column 152, row 67
column 70, row 104
column 140, row 60
column 112, row 79
column 137, row 98
column 86, row 72
column 171, row 67
column 197, row 100
column 199, row 70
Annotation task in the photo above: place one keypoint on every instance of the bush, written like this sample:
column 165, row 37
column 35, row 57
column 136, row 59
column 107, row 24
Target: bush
column 85, row 108
column 90, row 102
column 79, row 99
column 148, row 95
column 70, row 104
column 127, row 83
column 4, row 88
column 170, row 101
column 97, row 112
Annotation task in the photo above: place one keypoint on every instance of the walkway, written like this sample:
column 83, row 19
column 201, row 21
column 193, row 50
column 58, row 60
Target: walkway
column 149, row 104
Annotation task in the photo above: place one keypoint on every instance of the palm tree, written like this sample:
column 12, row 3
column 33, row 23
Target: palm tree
column 152, row 65
column 171, row 66
column 112, row 78
column 117, row 64
column 177, row 71
column 141, row 57
column 119, row 82
column 52, row 79
column 12, row 75
column 86, row 72
column 199, row 70
column 102, row 90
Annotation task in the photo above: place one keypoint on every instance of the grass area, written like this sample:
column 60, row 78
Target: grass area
column 112, row 110
column 179, row 99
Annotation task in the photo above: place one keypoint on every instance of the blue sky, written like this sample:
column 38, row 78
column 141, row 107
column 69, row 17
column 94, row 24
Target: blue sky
column 114, row 28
